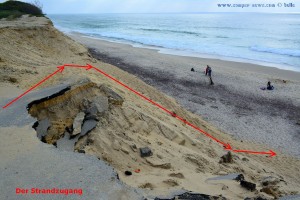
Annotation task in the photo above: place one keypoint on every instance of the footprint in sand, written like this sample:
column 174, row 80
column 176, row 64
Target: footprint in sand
column 177, row 175
column 171, row 182
column 147, row 185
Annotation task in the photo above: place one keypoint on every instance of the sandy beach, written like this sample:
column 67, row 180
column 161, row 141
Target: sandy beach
column 234, row 110
column 235, row 104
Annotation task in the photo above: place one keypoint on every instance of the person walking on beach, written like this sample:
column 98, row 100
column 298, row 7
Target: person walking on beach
column 206, row 70
column 209, row 71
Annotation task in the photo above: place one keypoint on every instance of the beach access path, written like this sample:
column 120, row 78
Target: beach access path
column 27, row 163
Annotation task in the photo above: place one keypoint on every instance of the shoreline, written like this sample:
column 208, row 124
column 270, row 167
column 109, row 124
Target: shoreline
column 259, row 116
column 182, row 53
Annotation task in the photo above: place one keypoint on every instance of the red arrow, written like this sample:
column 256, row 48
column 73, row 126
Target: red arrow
column 226, row 146
column 60, row 69
column 88, row 67
column 78, row 66
column 271, row 153
column 74, row 65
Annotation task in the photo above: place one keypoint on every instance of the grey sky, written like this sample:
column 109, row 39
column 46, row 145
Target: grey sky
column 160, row 6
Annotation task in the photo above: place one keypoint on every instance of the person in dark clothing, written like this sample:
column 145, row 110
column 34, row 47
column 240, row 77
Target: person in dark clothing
column 209, row 71
column 269, row 86
column 206, row 70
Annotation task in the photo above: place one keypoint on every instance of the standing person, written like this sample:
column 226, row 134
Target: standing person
column 206, row 70
column 209, row 71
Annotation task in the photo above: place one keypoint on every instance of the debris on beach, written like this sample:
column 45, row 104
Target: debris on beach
column 128, row 173
column 145, row 152
column 227, row 158
column 173, row 114
column 248, row 185
column 69, row 113
column 270, row 180
column 12, row 80
column 77, row 124
column 256, row 198
column 193, row 196
column 240, row 177
column 270, row 186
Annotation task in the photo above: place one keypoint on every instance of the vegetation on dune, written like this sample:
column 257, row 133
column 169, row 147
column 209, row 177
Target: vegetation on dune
column 14, row 9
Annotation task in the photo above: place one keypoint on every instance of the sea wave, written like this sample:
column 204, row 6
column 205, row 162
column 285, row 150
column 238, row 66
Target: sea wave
column 93, row 26
column 170, row 31
column 222, row 28
column 221, row 36
column 287, row 52
column 120, row 39
column 199, row 34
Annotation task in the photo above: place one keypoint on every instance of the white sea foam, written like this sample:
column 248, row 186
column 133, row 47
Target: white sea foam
column 235, row 36
column 280, row 51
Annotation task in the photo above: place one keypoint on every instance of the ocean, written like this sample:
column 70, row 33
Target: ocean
column 266, row 39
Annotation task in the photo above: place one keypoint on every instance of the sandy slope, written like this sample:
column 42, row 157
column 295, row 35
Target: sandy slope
column 268, row 117
column 191, row 158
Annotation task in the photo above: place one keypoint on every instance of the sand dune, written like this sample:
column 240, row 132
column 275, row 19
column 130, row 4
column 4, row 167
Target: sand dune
column 182, row 158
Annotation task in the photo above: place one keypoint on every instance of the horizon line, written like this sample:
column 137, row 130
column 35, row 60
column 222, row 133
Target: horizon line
column 175, row 13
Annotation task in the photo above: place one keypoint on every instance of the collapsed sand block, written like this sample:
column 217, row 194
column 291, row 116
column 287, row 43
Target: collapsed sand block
column 71, row 113
column 113, row 97
column 99, row 104
column 78, row 123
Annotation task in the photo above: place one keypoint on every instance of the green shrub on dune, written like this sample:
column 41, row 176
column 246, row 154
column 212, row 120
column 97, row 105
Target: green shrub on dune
column 14, row 9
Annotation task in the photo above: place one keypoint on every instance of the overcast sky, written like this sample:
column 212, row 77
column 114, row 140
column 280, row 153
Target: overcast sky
column 159, row 6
